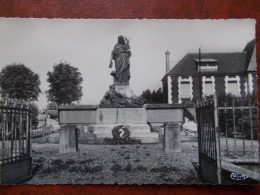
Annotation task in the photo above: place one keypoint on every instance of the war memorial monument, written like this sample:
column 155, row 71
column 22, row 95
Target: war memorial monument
column 120, row 111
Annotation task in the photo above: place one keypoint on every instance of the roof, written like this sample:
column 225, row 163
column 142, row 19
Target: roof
column 228, row 63
column 251, row 56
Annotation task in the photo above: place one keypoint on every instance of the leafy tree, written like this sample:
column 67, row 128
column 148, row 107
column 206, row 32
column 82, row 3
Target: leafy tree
column 52, row 106
column 65, row 84
column 19, row 82
column 154, row 97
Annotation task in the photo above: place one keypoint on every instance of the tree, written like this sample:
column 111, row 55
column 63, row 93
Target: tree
column 52, row 106
column 147, row 94
column 154, row 97
column 20, row 83
column 65, row 84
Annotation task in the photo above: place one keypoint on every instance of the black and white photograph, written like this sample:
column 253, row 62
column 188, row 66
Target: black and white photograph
column 128, row 101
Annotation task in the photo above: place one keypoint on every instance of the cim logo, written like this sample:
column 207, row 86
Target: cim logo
column 237, row 176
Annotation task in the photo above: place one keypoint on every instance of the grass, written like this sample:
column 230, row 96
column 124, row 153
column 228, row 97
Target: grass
column 114, row 164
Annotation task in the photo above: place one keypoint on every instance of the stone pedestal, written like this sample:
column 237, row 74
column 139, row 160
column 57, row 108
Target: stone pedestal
column 68, row 139
column 124, row 90
column 141, row 132
column 172, row 138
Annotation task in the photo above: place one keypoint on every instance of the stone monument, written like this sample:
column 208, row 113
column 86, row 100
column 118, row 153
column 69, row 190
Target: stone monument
column 119, row 106
column 120, row 113
column 121, row 54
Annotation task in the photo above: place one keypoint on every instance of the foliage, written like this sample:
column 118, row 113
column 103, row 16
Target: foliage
column 244, row 120
column 153, row 97
column 229, row 100
column 52, row 106
column 34, row 114
column 113, row 99
column 120, row 141
column 19, row 82
column 65, row 84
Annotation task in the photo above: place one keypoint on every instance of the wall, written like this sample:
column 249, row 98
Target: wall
column 165, row 90
column 175, row 92
column 254, row 82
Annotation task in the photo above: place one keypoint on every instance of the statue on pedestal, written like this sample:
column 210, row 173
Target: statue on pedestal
column 121, row 55
column 120, row 93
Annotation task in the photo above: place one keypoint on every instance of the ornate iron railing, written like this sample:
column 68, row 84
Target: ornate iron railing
column 239, row 132
column 208, row 136
column 15, row 124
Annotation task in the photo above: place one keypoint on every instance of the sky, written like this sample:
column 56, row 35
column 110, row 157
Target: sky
column 87, row 45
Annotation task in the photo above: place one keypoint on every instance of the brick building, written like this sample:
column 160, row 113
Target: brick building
column 209, row 73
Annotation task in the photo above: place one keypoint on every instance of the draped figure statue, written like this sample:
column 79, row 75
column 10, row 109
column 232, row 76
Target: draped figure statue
column 121, row 55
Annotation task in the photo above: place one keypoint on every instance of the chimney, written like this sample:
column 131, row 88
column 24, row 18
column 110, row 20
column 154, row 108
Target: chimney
column 167, row 53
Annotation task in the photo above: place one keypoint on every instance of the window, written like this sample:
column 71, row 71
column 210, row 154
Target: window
column 232, row 85
column 184, row 89
column 208, row 88
column 208, row 85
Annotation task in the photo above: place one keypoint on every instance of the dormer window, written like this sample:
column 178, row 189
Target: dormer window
column 206, row 65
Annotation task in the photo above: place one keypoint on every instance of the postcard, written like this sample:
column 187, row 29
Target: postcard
column 121, row 101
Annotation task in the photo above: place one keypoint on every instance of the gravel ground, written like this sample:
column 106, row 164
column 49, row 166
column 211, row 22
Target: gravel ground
column 114, row 164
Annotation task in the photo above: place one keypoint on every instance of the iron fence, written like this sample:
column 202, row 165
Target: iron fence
column 226, row 133
column 208, row 139
column 15, row 124
column 41, row 124
column 239, row 132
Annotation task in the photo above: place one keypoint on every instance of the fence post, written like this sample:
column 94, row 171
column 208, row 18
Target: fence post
column 251, row 128
column 234, row 126
column 225, row 104
column 218, row 151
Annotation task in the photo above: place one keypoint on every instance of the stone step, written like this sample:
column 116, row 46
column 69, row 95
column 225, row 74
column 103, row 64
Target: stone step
column 139, row 131
column 142, row 140
column 141, row 125
column 132, row 135
column 85, row 140
column 108, row 128
column 149, row 140
column 98, row 131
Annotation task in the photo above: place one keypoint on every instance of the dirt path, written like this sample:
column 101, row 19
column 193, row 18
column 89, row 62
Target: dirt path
column 110, row 164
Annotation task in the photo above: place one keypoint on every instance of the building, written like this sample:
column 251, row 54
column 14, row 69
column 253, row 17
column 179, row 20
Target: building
column 199, row 75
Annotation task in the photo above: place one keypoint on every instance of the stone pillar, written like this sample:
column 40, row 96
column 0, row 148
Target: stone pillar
column 159, row 129
column 68, row 139
column 172, row 138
